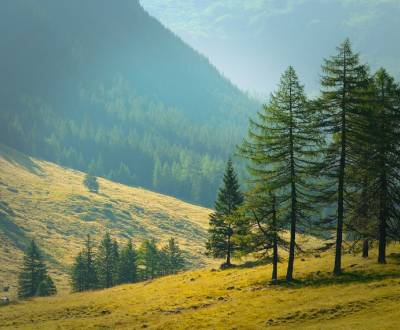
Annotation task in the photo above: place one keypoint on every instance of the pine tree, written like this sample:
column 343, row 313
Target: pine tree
column 221, row 230
column 115, row 261
column 33, row 272
column 344, row 81
column 172, row 256
column 150, row 259
column 127, row 272
column 46, row 288
column 83, row 275
column 386, row 156
column 105, row 262
column 283, row 146
column 264, row 227
column 78, row 274
column 91, row 281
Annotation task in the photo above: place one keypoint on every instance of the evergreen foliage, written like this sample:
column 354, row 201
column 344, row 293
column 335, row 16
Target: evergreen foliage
column 150, row 259
column 344, row 84
column 222, row 224
column 385, row 158
column 46, row 288
column 265, row 227
column 84, row 275
column 106, row 261
column 127, row 270
column 33, row 274
column 283, row 148
column 172, row 258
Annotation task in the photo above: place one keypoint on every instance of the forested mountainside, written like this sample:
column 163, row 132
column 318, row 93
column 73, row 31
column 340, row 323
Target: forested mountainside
column 84, row 86
column 49, row 203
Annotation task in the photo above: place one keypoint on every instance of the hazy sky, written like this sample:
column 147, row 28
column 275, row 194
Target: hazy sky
column 252, row 41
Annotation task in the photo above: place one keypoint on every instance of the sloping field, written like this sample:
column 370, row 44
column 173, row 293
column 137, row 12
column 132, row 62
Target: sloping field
column 49, row 203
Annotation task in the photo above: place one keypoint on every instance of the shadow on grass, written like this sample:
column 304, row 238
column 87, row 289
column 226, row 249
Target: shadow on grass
column 17, row 158
column 329, row 279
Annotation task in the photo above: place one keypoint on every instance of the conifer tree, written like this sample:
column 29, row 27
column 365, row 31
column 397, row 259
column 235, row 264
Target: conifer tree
column 127, row 271
column 115, row 261
column 33, row 272
column 78, row 274
column 344, row 82
column 46, row 288
column 386, row 156
column 84, row 276
column 222, row 228
column 282, row 147
column 150, row 259
column 264, row 226
column 173, row 258
column 105, row 262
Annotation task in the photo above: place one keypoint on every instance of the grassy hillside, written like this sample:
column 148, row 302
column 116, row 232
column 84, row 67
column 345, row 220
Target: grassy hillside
column 367, row 296
column 49, row 203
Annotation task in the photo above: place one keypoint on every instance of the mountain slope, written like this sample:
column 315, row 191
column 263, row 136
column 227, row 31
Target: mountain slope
column 49, row 203
column 367, row 296
column 103, row 86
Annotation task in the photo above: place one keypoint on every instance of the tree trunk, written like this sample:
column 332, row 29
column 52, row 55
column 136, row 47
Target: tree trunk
column 382, row 237
column 275, row 247
column 365, row 248
column 339, row 230
column 228, row 252
column 292, row 244
column 340, row 211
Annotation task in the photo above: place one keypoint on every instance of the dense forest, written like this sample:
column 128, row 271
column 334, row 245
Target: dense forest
column 86, row 88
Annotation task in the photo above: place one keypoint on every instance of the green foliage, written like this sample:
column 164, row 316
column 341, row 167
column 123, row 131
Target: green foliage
column 46, row 288
column 127, row 270
column 83, row 275
column 116, row 115
column 172, row 259
column 344, row 84
column 90, row 181
column 283, row 147
column 106, row 261
column 33, row 272
column 150, row 259
column 222, row 224
column 260, row 216
column 384, row 158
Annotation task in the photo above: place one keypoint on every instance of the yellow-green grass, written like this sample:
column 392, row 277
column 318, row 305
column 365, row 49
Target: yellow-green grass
column 367, row 296
column 42, row 201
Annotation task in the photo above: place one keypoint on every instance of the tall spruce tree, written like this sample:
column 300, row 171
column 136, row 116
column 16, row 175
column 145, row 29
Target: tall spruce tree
column 386, row 156
column 78, row 274
column 343, row 82
column 105, row 262
column 222, row 228
column 150, row 259
column 173, row 258
column 83, row 275
column 33, row 272
column 282, row 147
column 127, row 270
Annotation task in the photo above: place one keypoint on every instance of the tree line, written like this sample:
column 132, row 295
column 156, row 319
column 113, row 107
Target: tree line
column 104, row 267
column 111, row 265
column 331, row 164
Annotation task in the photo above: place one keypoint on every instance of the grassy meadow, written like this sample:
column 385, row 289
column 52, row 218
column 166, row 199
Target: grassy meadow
column 367, row 296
